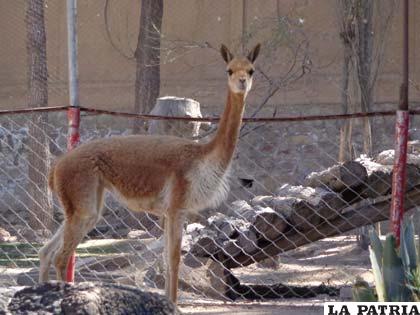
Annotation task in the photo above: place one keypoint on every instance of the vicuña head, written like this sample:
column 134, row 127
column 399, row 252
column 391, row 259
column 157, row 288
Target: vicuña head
column 240, row 70
column 163, row 175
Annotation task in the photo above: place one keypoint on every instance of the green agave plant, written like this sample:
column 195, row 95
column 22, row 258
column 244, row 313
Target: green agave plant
column 396, row 271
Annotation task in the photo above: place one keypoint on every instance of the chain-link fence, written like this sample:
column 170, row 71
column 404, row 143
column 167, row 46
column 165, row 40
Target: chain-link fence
column 291, row 224
column 287, row 230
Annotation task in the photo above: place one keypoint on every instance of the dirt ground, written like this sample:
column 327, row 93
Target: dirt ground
column 296, row 307
column 332, row 261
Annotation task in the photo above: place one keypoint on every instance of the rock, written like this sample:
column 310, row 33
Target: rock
column 225, row 226
column 232, row 248
column 194, row 229
column 414, row 134
column 248, row 241
column 413, row 175
column 267, row 223
column 205, row 246
column 99, row 231
column 138, row 234
column 310, row 194
column 88, row 298
column 379, row 179
column 6, row 295
column 261, row 201
column 338, row 177
column 387, row 158
column 29, row 235
column 6, row 237
column 239, row 207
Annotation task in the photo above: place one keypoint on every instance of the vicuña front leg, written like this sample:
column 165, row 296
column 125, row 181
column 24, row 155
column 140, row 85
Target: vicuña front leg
column 173, row 240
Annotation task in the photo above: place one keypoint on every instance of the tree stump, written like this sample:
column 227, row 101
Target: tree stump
column 172, row 106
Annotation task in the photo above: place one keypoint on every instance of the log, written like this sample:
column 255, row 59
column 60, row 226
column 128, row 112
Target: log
column 267, row 223
column 378, row 183
column 379, row 179
column 338, row 177
column 306, row 207
column 364, row 213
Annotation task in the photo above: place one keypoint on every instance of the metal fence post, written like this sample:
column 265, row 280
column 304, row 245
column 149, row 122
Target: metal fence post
column 73, row 113
column 401, row 138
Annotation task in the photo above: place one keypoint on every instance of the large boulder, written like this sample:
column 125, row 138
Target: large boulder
column 88, row 298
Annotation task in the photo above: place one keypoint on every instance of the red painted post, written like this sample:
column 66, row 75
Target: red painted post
column 73, row 117
column 401, row 138
column 399, row 173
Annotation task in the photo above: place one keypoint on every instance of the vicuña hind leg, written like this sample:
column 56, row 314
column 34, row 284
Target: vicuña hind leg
column 47, row 252
column 80, row 220
column 74, row 230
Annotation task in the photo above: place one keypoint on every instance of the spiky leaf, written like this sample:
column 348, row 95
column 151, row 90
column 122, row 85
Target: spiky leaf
column 377, row 247
column 408, row 247
column 393, row 273
column 377, row 273
column 414, row 284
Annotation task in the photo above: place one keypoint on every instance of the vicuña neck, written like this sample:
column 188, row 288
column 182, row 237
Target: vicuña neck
column 224, row 142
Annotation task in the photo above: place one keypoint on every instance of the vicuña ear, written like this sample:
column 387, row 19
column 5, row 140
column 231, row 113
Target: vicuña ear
column 226, row 54
column 254, row 53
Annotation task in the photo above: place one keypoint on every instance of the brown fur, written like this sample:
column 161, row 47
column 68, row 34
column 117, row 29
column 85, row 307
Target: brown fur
column 152, row 173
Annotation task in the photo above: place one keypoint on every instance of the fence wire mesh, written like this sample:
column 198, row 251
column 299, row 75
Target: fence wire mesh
column 291, row 224
column 288, row 228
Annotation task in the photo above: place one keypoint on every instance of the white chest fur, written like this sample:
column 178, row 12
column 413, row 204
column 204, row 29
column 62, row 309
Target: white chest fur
column 209, row 185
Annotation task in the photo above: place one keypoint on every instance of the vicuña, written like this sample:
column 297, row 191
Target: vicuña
column 163, row 175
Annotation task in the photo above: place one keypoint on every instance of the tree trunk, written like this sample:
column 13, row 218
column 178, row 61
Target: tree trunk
column 345, row 151
column 347, row 37
column 148, row 58
column 364, row 18
column 40, row 203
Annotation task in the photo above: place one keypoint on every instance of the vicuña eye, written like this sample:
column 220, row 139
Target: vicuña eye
column 229, row 71
column 251, row 72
